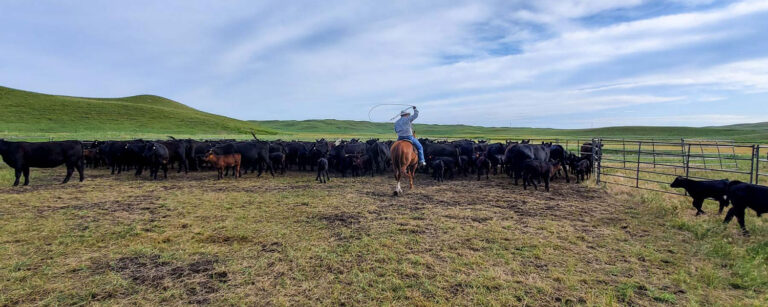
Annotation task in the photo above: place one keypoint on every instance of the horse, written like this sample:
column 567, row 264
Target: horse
column 404, row 162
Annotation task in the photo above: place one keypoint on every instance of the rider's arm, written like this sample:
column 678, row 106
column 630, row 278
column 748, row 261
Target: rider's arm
column 415, row 114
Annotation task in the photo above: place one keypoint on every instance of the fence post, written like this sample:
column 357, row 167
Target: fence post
column 687, row 161
column 637, row 176
column 682, row 153
column 653, row 144
column 752, row 166
column 596, row 143
column 624, row 152
column 757, row 165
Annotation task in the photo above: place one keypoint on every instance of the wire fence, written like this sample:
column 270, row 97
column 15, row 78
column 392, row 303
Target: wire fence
column 653, row 165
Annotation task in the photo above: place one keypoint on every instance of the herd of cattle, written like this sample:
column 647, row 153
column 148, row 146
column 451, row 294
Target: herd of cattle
column 533, row 163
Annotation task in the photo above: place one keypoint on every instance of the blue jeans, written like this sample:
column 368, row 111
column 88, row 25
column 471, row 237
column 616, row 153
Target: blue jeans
column 416, row 144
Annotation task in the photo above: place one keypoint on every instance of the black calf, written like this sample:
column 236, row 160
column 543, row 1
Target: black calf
column 483, row 165
column 438, row 170
column 322, row 170
column 742, row 196
column 701, row 190
column 535, row 169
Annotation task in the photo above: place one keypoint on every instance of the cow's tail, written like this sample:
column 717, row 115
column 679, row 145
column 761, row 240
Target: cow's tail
column 458, row 158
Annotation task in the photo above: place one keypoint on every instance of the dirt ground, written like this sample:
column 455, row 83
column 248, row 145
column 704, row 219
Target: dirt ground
column 289, row 240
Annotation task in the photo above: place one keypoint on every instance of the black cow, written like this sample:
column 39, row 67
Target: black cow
column 177, row 153
column 196, row 151
column 745, row 195
column 112, row 152
column 701, row 190
column 432, row 149
column 438, row 170
column 466, row 150
column 483, row 165
column 379, row 155
column 495, row 154
column 583, row 170
column 133, row 155
column 586, row 150
column 157, row 157
column 534, row 170
column 322, row 171
column 297, row 153
column 254, row 154
column 22, row 155
column 517, row 155
column 449, row 164
column 278, row 161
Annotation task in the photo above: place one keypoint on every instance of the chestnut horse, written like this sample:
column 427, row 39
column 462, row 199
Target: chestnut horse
column 404, row 161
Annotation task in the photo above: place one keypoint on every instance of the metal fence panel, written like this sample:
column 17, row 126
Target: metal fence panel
column 652, row 165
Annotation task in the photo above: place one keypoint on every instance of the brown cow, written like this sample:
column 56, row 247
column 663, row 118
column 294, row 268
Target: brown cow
column 221, row 162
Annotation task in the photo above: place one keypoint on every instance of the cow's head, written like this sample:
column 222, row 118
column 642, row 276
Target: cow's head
column 209, row 156
column 678, row 182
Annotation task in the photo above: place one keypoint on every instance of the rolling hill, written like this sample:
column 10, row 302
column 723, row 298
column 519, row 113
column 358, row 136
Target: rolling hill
column 40, row 116
column 28, row 113
column 331, row 127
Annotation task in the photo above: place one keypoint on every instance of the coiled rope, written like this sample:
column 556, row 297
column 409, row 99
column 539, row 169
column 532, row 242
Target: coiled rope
column 389, row 104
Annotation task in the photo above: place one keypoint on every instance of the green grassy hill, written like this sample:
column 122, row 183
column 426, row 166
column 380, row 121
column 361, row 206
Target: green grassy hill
column 39, row 116
column 330, row 127
column 33, row 114
column 755, row 126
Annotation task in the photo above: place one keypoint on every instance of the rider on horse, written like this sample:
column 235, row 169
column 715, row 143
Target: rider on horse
column 404, row 130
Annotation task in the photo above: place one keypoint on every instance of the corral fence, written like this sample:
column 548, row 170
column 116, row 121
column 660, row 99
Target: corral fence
column 761, row 165
column 653, row 165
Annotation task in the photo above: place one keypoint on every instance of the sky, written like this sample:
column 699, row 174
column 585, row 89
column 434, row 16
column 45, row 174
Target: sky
column 543, row 63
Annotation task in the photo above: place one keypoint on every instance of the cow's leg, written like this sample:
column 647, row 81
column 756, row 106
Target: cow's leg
column 70, row 170
column 327, row 176
column 546, row 182
column 18, row 175
column 740, row 218
column 729, row 215
column 272, row 168
column 165, row 171
column 525, row 181
column 81, row 170
column 723, row 204
column 697, row 202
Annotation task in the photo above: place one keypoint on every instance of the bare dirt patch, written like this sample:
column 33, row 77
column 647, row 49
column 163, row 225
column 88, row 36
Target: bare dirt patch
column 199, row 278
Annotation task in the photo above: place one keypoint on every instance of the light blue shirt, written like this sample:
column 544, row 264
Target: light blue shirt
column 403, row 125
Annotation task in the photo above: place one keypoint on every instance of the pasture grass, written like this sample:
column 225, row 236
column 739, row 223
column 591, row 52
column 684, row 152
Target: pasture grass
column 288, row 240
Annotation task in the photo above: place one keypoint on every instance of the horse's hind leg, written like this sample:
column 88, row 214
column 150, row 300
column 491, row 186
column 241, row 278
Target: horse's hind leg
column 411, row 174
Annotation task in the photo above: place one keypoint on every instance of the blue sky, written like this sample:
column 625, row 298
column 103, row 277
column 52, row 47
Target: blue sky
column 545, row 63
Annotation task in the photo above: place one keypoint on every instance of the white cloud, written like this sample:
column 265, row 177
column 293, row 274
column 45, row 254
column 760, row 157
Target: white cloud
column 749, row 76
column 294, row 60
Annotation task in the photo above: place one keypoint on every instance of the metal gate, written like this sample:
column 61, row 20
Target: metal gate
column 653, row 165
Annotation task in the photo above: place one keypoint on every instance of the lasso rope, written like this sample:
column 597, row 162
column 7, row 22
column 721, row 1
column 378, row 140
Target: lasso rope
column 389, row 104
